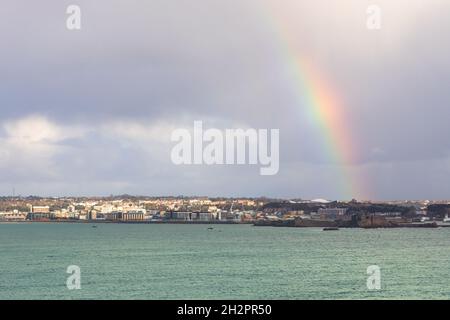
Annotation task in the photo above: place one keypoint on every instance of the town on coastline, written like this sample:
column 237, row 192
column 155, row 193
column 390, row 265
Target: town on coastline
column 256, row 211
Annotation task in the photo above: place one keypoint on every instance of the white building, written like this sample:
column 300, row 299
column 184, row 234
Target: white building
column 13, row 216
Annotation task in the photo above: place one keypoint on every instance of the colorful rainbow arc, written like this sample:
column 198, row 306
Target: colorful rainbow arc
column 326, row 112
column 325, row 109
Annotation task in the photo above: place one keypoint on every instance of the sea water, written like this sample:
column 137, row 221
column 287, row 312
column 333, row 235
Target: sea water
column 172, row 261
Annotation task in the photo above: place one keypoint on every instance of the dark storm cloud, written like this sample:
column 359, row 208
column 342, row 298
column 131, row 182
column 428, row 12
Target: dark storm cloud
column 135, row 59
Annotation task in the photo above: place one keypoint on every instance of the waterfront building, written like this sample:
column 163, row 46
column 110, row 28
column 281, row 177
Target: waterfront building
column 38, row 216
column 73, row 215
column 125, row 216
column 40, row 209
column 13, row 216
column 205, row 216
column 331, row 213
column 133, row 216
column 181, row 215
column 294, row 214
column 59, row 214
column 93, row 215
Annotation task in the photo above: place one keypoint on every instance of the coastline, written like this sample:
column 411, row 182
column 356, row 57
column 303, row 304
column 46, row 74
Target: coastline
column 262, row 223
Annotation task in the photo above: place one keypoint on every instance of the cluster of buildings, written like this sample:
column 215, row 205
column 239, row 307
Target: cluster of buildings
column 216, row 210
column 134, row 210
column 357, row 214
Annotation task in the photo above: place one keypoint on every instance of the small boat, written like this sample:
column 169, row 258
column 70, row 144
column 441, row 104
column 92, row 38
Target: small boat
column 94, row 226
column 330, row 229
column 446, row 219
column 210, row 228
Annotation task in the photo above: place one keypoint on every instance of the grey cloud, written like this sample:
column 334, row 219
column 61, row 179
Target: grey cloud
column 222, row 62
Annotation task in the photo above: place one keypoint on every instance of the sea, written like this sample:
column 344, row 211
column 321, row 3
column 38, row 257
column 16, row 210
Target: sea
column 185, row 261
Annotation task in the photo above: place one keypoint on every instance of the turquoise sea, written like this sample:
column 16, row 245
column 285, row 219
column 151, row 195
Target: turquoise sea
column 131, row 261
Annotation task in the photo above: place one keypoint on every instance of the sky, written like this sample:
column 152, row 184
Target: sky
column 91, row 111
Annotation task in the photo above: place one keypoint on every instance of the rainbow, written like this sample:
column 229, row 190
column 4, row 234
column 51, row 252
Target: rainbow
column 326, row 110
